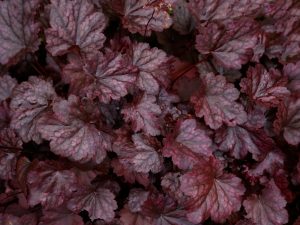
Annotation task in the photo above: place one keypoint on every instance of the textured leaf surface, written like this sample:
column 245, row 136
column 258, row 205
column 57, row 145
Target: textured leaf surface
column 211, row 10
column 99, row 203
column 140, row 155
column 50, row 184
column 29, row 102
column 288, row 120
column 143, row 115
column 215, row 101
column 18, row 29
column 153, row 67
column 213, row 193
column 230, row 44
column 241, row 140
column 268, row 208
column 267, row 88
column 186, row 144
column 75, row 23
column 144, row 16
column 106, row 76
column 7, row 84
column 72, row 132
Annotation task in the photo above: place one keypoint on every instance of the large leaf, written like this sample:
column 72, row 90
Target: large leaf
column 267, row 88
column 18, row 29
column 213, row 193
column 75, row 23
column 99, row 203
column 186, row 144
column 231, row 44
column 240, row 140
column 215, row 101
column 105, row 76
column 72, row 132
column 29, row 101
column 153, row 65
column 268, row 208
column 140, row 155
column 50, row 184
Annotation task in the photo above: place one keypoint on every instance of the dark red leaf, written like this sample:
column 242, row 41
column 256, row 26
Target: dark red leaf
column 270, row 163
column 50, row 184
column 144, row 16
column 213, row 193
column 106, row 76
column 240, row 140
column 231, row 44
column 143, row 115
column 140, row 155
column 153, row 65
column 29, row 101
column 186, row 144
column 75, row 23
column 267, row 88
column 99, row 203
column 215, row 101
column 72, row 132
column 288, row 120
column 129, row 174
column 18, row 29
column 11, row 145
column 268, row 208
column 223, row 9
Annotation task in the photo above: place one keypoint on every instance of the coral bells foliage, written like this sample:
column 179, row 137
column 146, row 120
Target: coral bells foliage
column 149, row 112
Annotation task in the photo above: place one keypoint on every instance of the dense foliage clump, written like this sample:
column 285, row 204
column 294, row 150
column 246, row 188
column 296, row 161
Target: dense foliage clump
column 149, row 112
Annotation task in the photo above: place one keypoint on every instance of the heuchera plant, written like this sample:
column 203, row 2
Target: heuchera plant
column 149, row 112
